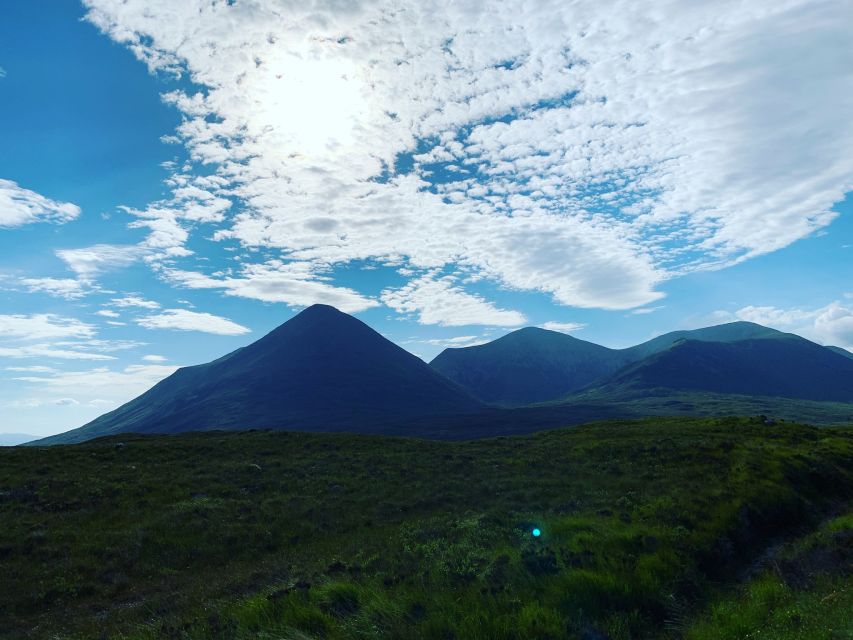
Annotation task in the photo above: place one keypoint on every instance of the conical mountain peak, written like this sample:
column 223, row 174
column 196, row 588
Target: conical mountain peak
column 320, row 370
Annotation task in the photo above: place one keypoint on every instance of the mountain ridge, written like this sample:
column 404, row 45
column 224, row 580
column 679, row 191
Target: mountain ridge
column 526, row 366
column 322, row 368
column 503, row 372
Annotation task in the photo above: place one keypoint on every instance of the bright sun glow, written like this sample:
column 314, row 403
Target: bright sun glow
column 312, row 105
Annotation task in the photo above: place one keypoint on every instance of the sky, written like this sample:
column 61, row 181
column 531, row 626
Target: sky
column 179, row 178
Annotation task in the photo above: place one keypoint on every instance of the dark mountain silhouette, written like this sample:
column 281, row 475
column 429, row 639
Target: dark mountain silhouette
column 535, row 365
column 321, row 370
column 326, row 371
column 526, row 366
column 729, row 332
column 786, row 366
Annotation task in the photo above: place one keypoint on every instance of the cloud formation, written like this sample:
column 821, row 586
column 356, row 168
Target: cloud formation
column 439, row 300
column 184, row 320
column 563, row 327
column 20, row 206
column 89, row 262
column 296, row 283
column 829, row 325
column 586, row 150
column 134, row 301
column 43, row 326
column 68, row 288
column 101, row 387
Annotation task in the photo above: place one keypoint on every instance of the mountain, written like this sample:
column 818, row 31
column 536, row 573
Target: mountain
column 526, row 366
column 321, row 370
column 787, row 367
column 728, row 332
column 14, row 439
column 840, row 350
column 535, row 365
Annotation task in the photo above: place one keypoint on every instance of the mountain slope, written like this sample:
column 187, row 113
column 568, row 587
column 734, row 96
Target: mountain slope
column 840, row 350
column 790, row 368
column 729, row 332
column 535, row 365
column 321, row 370
column 526, row 366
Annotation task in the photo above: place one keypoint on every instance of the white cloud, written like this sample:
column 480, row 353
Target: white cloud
column 134, row 301
column 297, row 283
column 563, row 327
column 641, row 311
column 438, row 300
column 100, row 387
column 102, row 345
column 154, row 358
column 67, row 288
column 830, row 325
column 834, row 323
column 194, row 200
column 88, row 262
column 587, row 150
column 456, row 342
column 50, row 352
column 107, row 313
column 184, row 320
column 42, row 326
column 773, row 316
column 19, row 206
column 33, row 369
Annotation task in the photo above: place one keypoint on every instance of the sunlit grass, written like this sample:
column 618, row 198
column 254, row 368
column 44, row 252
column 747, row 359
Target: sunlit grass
column 286, row 535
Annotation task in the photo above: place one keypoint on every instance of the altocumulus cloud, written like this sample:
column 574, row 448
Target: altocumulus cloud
column 587, row 150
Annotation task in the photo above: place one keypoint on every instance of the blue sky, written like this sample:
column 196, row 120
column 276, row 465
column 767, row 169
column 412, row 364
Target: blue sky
column 177, row 180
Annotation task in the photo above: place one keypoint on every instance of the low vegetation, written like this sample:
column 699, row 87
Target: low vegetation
column 802, row 590
column 660, row 528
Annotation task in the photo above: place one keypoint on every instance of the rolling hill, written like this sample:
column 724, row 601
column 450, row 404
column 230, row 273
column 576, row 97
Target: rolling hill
column 321, row 370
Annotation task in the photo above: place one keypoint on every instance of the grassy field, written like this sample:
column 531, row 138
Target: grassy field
column 802, row 590
column 636, row 403
column 661, row 528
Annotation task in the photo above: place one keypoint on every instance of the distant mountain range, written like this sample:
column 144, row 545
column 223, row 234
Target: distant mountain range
column 13, row 439
column 534, row 365
column 782, row 366
column 326, row 371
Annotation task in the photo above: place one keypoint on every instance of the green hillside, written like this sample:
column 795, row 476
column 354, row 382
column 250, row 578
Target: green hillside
column 648, row 528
